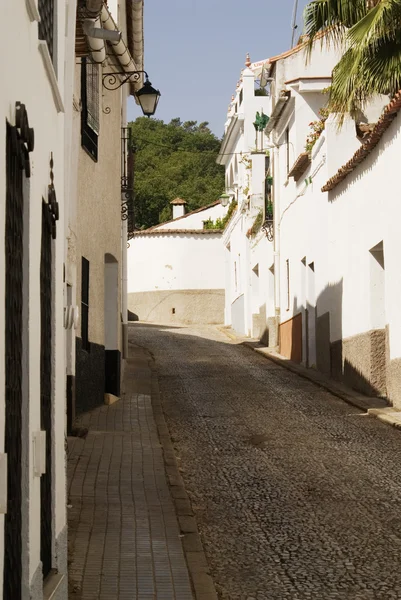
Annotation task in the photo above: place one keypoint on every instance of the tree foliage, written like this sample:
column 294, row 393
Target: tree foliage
column 370, row 33
column 173, row 160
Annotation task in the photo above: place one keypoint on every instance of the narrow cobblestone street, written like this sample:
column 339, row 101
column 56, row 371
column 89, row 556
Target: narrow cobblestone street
column 296, row 494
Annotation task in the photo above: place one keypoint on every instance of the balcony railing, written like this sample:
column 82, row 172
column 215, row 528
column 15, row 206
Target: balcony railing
column 127, row 180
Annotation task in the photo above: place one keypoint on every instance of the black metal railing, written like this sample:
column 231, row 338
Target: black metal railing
column 268, row 225
column 127, row 179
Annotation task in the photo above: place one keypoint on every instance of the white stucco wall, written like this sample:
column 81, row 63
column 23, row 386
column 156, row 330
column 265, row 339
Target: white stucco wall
column 175, row 262
column 47, row 118
column 195, row 219
column 247, row 294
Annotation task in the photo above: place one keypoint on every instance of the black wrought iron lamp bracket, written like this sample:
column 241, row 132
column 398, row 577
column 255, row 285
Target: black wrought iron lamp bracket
column 113, row 81
column 268, row 228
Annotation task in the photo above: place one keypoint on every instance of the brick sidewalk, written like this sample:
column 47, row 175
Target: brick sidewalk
column 124, row 539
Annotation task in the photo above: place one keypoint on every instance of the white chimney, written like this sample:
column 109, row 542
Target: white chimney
column 178, row 207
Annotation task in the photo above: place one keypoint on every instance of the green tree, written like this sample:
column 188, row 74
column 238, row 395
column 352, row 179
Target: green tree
column 370, row 33
column 173, row 160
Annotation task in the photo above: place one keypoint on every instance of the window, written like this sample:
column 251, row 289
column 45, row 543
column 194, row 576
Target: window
column 287, row 262
column 85, row 304
column 90, row 106
column 46, row 24
column 241, row 96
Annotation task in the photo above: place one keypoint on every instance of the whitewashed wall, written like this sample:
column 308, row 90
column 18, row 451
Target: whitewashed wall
column 336, row 232
column 195, row 220
column 22, row 72
column 175, row 262
column 247, row 294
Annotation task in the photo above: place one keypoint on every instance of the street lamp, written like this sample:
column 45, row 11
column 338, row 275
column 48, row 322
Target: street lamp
column 224, row 199
column 148, row 98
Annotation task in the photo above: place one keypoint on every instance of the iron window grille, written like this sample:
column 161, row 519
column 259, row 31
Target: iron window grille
column 90, row 83
column 46, row 24
column 127, row 180
column 85, row 304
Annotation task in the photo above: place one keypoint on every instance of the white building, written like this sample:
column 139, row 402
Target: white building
column 249, row 279
column 176, row 269
column 33, row 97
column 297, row 96
column 100, row 199
column 336, row 244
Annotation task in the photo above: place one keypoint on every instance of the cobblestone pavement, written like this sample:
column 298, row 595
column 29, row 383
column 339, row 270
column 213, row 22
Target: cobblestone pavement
column 297, row 494
column 124, row 540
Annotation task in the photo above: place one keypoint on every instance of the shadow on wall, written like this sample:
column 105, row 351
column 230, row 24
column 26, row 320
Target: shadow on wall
column 358, row 361
column 132, row 316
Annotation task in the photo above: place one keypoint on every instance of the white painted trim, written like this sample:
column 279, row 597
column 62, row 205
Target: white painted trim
column 32, row 9
column 51, row 74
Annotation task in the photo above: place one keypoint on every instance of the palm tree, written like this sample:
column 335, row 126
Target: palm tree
column 370, row 33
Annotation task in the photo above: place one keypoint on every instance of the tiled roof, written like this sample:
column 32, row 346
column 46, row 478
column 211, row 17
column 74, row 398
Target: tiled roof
column 299, row 167
column 178, row 231
column 368, row 145
column 301, row 45
column 178, row 202
column 135, row 38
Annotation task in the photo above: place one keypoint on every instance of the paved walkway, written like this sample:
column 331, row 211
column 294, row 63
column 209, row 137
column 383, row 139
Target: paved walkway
column 297, row 494
column 124, row 540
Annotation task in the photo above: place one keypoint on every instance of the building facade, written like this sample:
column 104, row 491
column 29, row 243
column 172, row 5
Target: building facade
column 335, row 280
column 249, row 280
column 33, row 533
column 176, row 269
column 97, row 223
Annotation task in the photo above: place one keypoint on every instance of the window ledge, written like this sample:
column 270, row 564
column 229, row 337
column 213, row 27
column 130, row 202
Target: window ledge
column 51, row 74
column 32, row 9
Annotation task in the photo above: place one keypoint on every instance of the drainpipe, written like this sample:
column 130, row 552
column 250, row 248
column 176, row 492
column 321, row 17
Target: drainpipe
column 120, row 48
column 94, row 8
column 93, row 28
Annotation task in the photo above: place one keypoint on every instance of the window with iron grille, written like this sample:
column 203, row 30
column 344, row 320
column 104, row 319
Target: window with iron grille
column 90, row 106
column 85, row 304
column 46, row 24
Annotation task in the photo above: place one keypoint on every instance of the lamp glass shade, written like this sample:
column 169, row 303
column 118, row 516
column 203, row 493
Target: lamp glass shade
column 224, row 199
column 148, row 98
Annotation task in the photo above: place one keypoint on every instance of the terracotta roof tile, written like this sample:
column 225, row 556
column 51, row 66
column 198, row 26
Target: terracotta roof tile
column 178, row 232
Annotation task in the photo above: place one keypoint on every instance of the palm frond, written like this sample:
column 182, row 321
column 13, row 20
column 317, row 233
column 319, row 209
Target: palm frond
column 380, row 21
column 361, row 75
column 333, row 17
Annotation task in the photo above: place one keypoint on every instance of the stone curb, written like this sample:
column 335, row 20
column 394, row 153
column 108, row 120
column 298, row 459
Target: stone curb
column 201, row 580
column 373, row 406
column 390, row 416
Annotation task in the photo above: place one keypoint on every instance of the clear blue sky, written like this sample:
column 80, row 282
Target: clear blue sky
column 195, row 50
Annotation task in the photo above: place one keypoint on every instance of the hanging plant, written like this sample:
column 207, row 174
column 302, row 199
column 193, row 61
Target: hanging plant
column 316, row 129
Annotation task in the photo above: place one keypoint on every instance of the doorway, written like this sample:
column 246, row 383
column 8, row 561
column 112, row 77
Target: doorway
column 111, row 326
